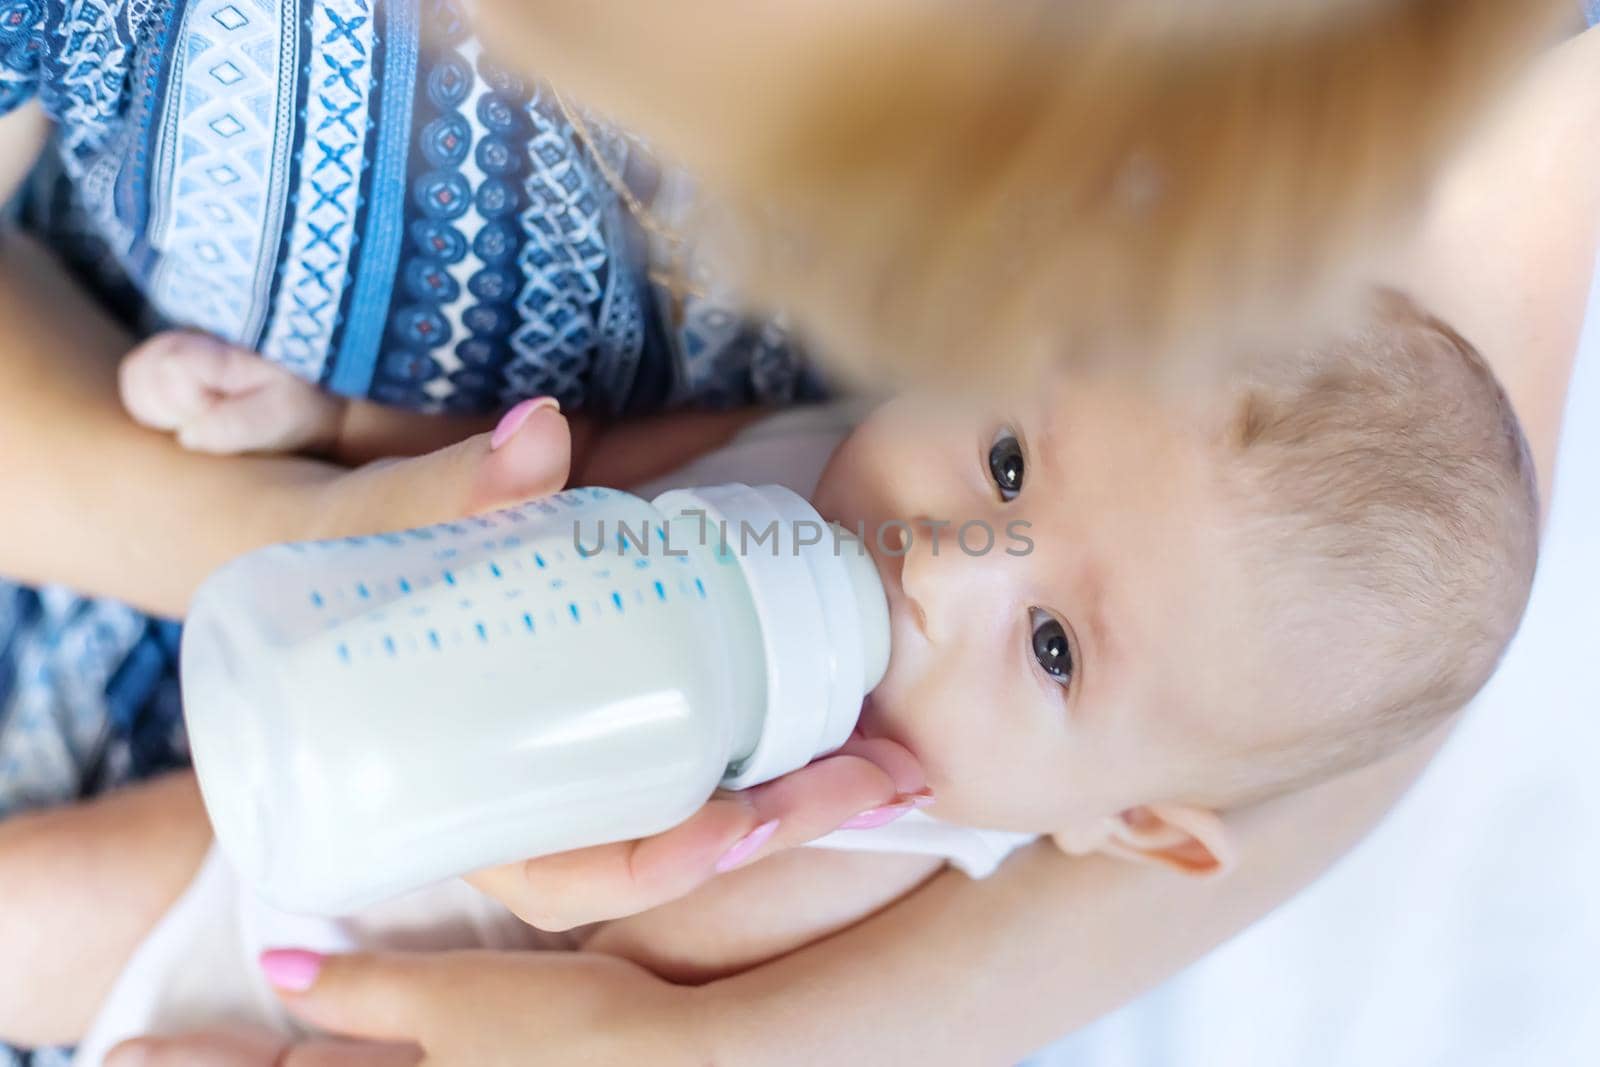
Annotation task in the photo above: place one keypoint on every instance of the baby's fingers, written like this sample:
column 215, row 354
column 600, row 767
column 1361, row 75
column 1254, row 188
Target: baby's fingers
column 613, row 881
column 221, row 398
column 169, row 378
column 285, row 415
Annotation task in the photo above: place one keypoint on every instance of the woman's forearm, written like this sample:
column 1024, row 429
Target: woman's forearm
column 96, row 502
column 90, row 499
column 965, row 972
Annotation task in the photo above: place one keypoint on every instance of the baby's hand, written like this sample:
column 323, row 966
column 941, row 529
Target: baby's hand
column 224, row 399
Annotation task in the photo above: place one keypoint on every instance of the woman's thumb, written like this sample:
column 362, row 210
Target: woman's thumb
column 528, row 455
column 380, row 997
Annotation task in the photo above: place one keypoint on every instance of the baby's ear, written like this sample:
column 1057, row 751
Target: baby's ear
column 1180, row 837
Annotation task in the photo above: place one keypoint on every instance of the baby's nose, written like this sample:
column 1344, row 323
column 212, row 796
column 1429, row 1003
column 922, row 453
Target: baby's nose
column 934, row 575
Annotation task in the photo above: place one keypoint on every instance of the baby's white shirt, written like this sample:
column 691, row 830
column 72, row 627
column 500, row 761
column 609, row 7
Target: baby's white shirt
column 197, row 968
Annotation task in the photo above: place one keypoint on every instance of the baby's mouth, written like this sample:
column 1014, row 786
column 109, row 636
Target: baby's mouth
column 867, row 726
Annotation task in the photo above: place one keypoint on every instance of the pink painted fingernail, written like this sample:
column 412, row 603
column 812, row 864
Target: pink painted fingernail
column 876, row 817
column 293, row 970
column 512, row 421
column 746, row 846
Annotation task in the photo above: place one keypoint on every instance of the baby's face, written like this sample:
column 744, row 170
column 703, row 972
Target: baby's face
column 1045, row 687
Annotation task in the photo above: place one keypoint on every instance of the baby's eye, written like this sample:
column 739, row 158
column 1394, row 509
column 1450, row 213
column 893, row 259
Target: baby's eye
column 1005, row 464
column 1050, row 645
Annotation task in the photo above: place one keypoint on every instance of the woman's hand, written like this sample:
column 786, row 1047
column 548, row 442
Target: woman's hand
column 250, row 1047
column 867, row 783
column 528, row 455
column 479, row 1009
column 458, row 1009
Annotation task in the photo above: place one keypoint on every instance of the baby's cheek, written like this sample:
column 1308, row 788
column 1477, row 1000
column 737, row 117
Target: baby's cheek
column 957, row 752
column 986, row 771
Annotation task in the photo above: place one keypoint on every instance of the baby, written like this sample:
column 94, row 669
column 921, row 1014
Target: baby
column 1219, row 598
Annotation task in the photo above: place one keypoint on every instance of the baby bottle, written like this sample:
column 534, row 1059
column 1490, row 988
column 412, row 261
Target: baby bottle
column 373, row 714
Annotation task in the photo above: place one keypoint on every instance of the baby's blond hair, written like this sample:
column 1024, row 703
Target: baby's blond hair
column 1391, row 531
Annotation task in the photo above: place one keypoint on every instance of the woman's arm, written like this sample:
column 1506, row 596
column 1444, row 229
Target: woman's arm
column 90, row 499
column 1506, row 251
column 959, row 973
column 967, row 972
column 93, row 501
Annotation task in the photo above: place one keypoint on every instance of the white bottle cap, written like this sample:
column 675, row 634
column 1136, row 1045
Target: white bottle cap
column 824, row 618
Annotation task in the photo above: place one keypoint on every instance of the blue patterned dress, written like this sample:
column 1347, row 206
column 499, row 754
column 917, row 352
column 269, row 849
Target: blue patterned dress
column 355, row 190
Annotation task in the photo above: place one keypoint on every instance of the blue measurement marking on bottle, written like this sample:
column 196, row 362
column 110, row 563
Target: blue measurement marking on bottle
column 388, row 644
column 344, row 653
column 572, row 609
column 483, row 634
column 362, row 591
column 527, row 621
column 316, row 599
column 616, row 598
column 405, row 586
column 700, row 588
column 433, row 638
column 449, row 578
column 494, row 569
column 539, row 562
column 661, row 591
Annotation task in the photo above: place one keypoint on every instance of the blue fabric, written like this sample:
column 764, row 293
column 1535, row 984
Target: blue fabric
column 362, row 194
column 88, row 697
